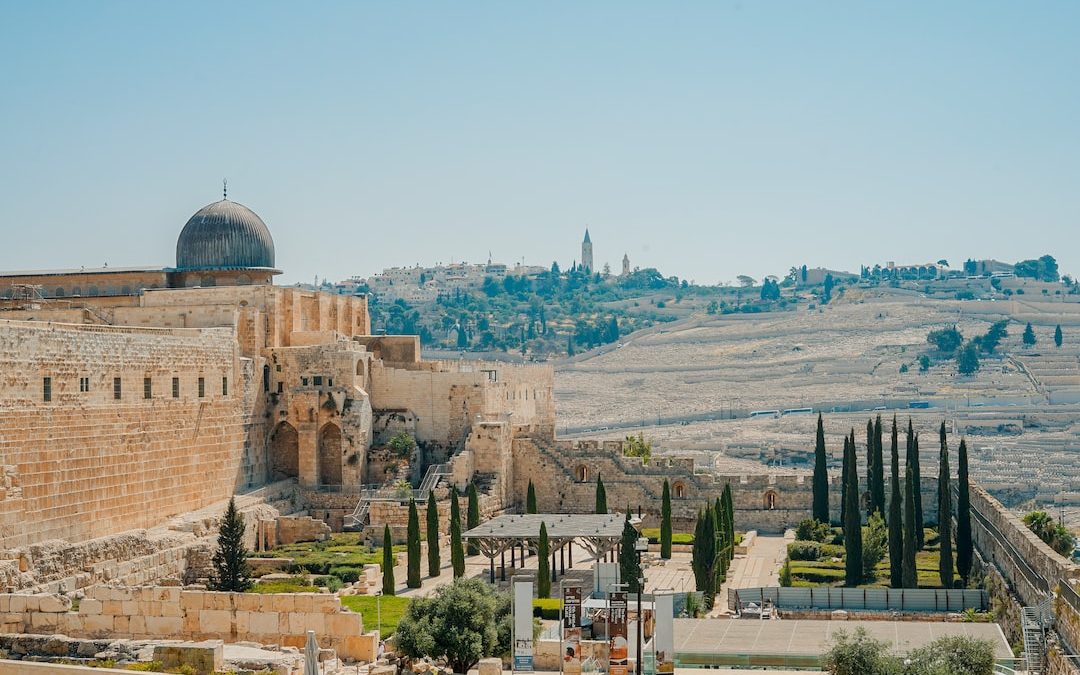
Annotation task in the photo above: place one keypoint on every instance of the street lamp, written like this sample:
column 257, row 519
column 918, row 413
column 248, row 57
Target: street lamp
column 641, row 545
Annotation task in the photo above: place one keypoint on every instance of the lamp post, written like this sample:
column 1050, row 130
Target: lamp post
column 641, row 545
column 378, row 611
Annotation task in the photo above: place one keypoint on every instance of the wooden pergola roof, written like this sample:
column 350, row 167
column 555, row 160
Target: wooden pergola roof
column 597, row 533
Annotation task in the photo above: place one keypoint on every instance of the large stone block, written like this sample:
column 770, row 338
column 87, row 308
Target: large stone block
column 343, row 624
column 165, row 626
column 263, row 623
column 215, row 621
column 205, row 657
column 98, row 624
column 492, row 666
column 90, row 606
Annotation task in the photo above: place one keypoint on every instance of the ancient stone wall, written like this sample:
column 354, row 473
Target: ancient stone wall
column 186, row 614
column 85, row 463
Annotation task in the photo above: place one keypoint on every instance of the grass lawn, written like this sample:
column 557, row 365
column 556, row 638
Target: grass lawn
column 826, row 572
column 393, row 608
column 653, row 533
column 283, row 586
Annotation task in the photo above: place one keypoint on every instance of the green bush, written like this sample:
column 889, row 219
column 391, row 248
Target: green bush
column 329, row 582
column 653, row 533
column 804, row 550
column 347, row 573
column 813, row 530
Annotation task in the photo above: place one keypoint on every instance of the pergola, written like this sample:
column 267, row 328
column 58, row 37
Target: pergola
column 598, row 534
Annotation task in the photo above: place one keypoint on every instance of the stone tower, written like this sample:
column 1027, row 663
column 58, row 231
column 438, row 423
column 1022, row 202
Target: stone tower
column 626, row 265
column 586, row 252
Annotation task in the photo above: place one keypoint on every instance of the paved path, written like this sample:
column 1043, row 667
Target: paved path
column 759, row 567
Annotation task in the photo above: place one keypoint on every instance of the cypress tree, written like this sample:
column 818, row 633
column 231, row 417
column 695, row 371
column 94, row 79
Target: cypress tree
column 697, row 552
column 231, row 570
column 530, row 498
column 911, row 542
column 1058, row 337
column 601, row 495
column 412, row 543
column 387, row 562
column 963, row 516
column 870, row 466
column 629, row 569
column 708, row 558
column 843, row 483
column 434, row 560
column 543, row 564
column 917, row 486
column 457, row 551
column 472, row 516
column 729, row 504
column 896, row 518
column 945, row 565
column 821, row 476
column 877, row 497
column 665, row 522
column 719, row 522
column 853, row 568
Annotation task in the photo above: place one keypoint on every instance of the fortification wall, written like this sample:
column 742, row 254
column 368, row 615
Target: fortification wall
column 156, row 612
column 86, row 464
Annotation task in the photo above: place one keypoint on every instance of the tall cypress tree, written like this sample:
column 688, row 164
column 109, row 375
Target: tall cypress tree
column 697, row 563
column 412, row 543
column 457, row 550
column 870, row 466
column 543, row 564
column 434, row 559
column 845, row 470
column 601, row 495
column 911, row 541
column 917, row 486
column 719, row 522
column 821, row 476
column 963, row 516
column 945, row 566
column 665, row 522
column 896, row 517
column 877, row 497
column 629, row 569
column 853, row 568
column 530, row 498
column 231, row 570
column 708, row 557
column 388, row 584
column 472, row 516
column 729, row 505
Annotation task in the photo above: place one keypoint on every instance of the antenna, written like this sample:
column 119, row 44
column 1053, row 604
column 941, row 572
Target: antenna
column 224, row 188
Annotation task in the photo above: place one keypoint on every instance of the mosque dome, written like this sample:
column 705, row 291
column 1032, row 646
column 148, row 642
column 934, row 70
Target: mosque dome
column 224, row 235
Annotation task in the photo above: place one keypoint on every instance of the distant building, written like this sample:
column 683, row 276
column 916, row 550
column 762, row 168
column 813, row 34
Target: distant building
column 419, row 284
column 625, row 265
column 586, row 252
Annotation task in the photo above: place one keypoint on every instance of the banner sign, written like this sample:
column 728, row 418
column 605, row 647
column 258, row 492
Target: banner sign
column 571, row 630
column 664, row 635
column 618, row 647
column 523, row 626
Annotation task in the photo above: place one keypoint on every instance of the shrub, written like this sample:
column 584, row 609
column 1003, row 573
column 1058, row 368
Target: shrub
column 859, row 654
column 141, row 666
column 813, row 530
column 804, row 550
column 953, row 655
column 333, row 584
column 346, row 573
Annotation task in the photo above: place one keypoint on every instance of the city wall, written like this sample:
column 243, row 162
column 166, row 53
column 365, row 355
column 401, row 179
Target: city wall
column 85, row 463
column 161, row 612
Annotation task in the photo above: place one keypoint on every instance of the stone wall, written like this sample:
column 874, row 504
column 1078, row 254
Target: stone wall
column 83, row 464
column 157, row 612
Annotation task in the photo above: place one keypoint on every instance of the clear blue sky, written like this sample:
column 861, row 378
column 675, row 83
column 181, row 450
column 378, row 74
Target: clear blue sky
column 707, row 139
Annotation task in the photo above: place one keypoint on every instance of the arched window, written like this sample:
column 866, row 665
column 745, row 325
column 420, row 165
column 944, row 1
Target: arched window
column 207, row 280
column 266, row 378
column 678, row 490
column 582, row 473
column 77, row 291
column 59, row 292
column 771, row 500
column 243, row 280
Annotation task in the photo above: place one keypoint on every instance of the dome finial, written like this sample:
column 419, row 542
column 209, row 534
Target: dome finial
column 224, row 188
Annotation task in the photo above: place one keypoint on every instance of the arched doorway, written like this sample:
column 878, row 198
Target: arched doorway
column 330, row 455
column 582, row 473
column 770, row 500
column 679, row 490
column 284, row 452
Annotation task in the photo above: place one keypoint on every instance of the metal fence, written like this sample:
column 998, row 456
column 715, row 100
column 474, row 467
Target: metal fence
column 870, row 599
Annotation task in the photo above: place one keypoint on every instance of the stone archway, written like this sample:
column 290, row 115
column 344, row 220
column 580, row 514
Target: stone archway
column 284, row 452
column 330, row 455
column 771, row 500
column 581, row 473
column 678, row 490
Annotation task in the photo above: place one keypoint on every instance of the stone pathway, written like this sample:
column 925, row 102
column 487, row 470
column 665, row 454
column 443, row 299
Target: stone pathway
column 759, row 567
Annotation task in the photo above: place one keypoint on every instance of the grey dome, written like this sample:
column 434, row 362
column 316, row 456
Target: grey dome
column 224, row 235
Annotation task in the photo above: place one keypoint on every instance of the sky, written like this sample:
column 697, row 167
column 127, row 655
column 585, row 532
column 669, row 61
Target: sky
column 706, row 139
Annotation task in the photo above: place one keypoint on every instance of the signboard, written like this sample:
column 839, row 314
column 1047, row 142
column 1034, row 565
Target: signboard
column 664, row 633
column 523, row 626
column 618, row 647
column 571, row 630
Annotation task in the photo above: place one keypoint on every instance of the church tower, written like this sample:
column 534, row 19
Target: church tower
column 626, row 265
column 586, row 252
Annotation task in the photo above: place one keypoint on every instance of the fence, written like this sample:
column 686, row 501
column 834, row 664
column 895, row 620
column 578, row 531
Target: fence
column 869, row 599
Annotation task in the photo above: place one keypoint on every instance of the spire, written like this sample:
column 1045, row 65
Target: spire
column 587, row 240
column 224, row 188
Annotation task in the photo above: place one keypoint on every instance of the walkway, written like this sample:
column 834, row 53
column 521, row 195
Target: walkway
column 759, row 567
